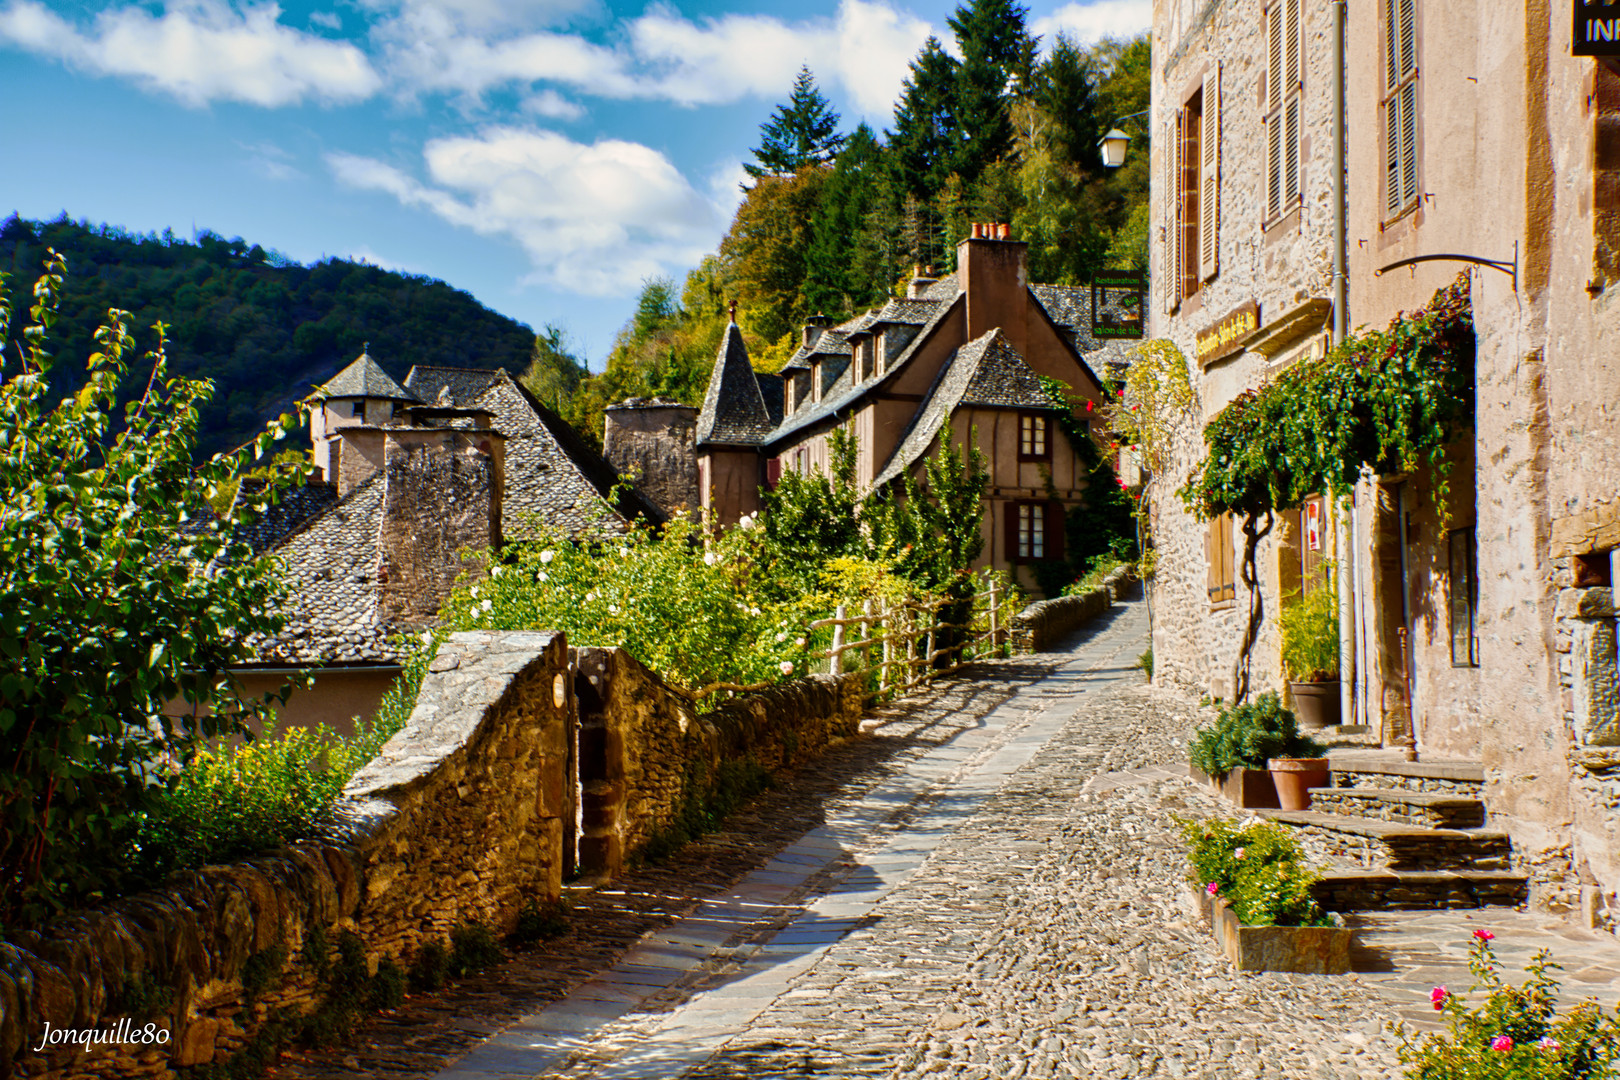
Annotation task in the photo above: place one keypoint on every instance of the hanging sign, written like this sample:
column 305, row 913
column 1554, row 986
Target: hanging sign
column 1226, row 335
column 1597, row 28
column 1116, row 304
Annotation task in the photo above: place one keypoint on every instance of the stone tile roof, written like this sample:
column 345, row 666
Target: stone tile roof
column 363, row 378
column 774, row 391
column 908, row 311
column 331, row 569
column 296, row 509
column 985, row 371
column 552, row 477
column 734, row 412
column 1070, row 308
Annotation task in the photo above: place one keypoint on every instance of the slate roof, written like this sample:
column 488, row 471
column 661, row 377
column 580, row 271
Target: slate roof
column 331, row 566
column 912, row 312
column 363, row 378
column 296, row 509
column 551, row 474
column 985, row 371
column 734, row 412
column 1070, row 308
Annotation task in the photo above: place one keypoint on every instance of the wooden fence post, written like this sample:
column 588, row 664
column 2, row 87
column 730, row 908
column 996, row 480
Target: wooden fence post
column 995, row 624
column 888, row 646
column 836, row 666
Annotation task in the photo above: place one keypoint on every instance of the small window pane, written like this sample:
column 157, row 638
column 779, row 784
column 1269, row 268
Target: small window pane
column 1464, row 600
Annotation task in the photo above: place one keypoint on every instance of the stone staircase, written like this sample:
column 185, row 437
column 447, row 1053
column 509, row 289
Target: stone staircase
column 1405, row 834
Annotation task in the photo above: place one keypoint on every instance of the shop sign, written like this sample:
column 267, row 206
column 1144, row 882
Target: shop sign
column 1116, row 304
column 1597, row 28
column 1225, row 337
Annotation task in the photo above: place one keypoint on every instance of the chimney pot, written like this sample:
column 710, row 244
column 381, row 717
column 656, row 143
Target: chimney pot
column 1003, row 231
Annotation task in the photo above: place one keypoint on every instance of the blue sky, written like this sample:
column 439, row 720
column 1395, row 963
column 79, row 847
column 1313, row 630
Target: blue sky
column 545, row 155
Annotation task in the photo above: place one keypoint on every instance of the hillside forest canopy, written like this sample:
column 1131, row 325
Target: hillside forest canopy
column 832, row 222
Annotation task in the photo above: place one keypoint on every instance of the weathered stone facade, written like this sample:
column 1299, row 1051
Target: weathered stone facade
column 655, row 440
column 1520, row 675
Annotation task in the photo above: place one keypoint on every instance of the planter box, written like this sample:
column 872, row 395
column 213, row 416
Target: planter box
column 1308, row 950
column 1249, row 789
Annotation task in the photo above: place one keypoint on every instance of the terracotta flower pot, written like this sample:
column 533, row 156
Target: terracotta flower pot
column 1316, row 704
column 1295, row 777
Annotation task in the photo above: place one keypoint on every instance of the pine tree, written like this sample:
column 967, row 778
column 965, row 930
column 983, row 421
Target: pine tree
column 1065, row 92
column 837, row 280
column 802, row 132
column 925, row 126
column 995, row 50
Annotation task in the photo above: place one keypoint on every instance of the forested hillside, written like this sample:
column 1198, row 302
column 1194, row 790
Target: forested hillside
column 833, row 221
column 263, row 328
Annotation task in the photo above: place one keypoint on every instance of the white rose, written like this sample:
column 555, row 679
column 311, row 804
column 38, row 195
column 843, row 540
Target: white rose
column 487, row 605
column 710, row 558
column 781, row 637
column 614, row 608
column 475, row 590
column 787, row 667
column 547, row 556
column 589, row 597
column 800, row 642
column 541, row 576
column 623, row 551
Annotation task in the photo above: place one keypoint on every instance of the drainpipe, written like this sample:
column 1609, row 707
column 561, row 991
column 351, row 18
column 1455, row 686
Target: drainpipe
column 1345, row 517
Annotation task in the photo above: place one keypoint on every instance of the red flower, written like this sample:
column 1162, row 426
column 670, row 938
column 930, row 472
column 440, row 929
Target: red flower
column 1484, row 935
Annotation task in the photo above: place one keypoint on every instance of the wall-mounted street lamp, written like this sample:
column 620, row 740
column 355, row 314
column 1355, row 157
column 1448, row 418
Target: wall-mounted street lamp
column 1116, row 142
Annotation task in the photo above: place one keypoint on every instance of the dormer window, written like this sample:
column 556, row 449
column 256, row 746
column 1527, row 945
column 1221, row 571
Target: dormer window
column 790, row 391
column 815, row 380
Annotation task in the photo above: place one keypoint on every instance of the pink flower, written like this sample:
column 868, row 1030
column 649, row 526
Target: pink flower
column 1438, row 996
column 1212, row 888
column 1484, row 935
column 1090, row 406
column 1502, row 1044
column 1548, row 1045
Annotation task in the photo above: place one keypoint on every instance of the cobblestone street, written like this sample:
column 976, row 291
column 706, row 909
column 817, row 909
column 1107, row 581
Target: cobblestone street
column 988, row 884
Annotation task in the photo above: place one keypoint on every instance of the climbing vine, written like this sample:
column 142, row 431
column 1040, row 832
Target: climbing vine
column 1157, row 394
column 1389, row 400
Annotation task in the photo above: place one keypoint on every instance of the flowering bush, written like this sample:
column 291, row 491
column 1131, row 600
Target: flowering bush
column 1256, row 867
column 1515, row 1033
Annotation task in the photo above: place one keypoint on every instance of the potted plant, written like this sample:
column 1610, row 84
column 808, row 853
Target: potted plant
column 1309, row 626
column 1235, row 751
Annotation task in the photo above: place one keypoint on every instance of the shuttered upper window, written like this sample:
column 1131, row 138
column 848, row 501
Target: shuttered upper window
column 1285, row 78
column 1400, row 107
column 1218, row 554
column 1192, row 209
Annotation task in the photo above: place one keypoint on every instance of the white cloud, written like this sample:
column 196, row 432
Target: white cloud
column 199, row 51
column 330, row 20
column 484, row 16
column 364, row 254
column 551, row 104
column 595, row 219
column 1087, row 22
column 271, row 161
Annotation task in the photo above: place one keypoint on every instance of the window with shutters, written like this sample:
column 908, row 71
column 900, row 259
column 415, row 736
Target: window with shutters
column 1285, row 81
column 1222, row 565
column 1192, row 209
column 1400, row 107
column 1034, row 442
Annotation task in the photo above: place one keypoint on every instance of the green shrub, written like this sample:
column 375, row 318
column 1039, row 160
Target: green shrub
column 540, row 920
column 388, row 985
column 429, row 966
column 1258, row 869
column 1093, row 579
column 1309, row 627
column 1515, row 1032
column 1145, row 662
column 473, row 947
column 1246, row 736
column 261, row 970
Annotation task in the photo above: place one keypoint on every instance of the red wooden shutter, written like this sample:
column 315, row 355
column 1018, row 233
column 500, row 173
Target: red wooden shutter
column 1055, row 527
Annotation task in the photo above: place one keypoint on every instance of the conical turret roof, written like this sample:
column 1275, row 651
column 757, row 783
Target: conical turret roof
column 734, row 410
column 364, row 378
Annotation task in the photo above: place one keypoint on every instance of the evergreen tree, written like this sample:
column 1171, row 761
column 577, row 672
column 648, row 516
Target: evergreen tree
column 838, row 279
column 995, row 50
column 922, row 143
column 1065, row 92
column 802, row 132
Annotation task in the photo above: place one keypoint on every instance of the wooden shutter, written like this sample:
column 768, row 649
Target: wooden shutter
column 1010, row 532
column 1218, row 556
column 1189, row 202
column 1056, row 525
column 1172, row 216
column 1209, row 178
column 1274, row 99
column 1400, row 110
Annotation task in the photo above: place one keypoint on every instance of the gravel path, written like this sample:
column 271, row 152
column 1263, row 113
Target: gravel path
column 1007, row 902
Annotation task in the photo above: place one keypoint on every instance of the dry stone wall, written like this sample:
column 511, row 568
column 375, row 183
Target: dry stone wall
column 462, row 816
column 1044, row 623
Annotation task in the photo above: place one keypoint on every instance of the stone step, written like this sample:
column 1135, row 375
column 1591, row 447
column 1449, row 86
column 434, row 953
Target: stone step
column 1372, row 844
column 1387, row 769
column 1424, row 809
column 1384, row 889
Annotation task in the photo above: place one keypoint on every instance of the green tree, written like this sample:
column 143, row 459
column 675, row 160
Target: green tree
column 802, row 132
column 121, row 595
column 766, row 252
column 840, row 275
column 995, row 50
column 554, row 372
column 922, row 142
column 1065, row 93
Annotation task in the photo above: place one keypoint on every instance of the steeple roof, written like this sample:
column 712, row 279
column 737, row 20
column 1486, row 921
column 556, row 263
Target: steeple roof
column 364, row 378
column 734, row 410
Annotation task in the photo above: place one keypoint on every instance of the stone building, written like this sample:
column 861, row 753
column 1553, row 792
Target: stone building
column 655, row 440
column 1485, row 634
column 456, row 458
column 958, row 357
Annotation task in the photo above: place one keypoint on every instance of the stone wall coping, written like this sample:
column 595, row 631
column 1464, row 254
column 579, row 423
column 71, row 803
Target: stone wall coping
column 1356, row 762
column 476, row 668
column 1594, row 530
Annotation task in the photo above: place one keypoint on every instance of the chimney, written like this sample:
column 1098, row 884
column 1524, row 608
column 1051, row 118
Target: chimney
column 444, row 478
column 992, row 270
column 921, row 278
column 814, row 327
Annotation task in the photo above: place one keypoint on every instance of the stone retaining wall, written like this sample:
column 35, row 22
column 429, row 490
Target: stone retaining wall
column 1438, row 785
column 463, row 815
column 1044, row 623
column 642, row 746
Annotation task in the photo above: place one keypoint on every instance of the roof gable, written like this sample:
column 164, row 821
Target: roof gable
column 366, row 379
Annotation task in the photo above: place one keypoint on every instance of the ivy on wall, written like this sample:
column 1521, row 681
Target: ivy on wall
column 1389, row 401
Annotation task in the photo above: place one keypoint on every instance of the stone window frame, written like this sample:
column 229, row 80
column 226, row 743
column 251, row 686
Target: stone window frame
column 1283, row 110
column 1400, row 108
column 1034, row 437
column 1462, row 546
